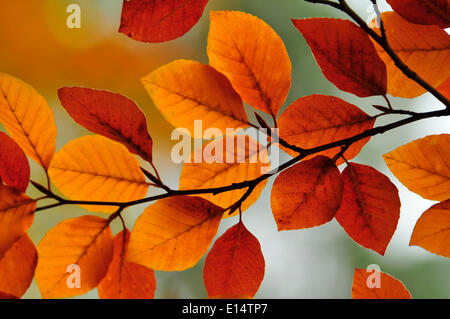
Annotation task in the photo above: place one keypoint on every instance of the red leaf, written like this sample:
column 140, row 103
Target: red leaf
column 235, row 265
column 159, row 20
column 126, row 280
column 345, row 54
column 307, row 194
column 14, row 166
column 370, row 207
column 435, row 12
column 109, row 114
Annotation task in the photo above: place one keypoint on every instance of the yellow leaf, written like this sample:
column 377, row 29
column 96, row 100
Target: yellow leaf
column 423, row 48
column 432, row 231
column 174, row 233
column 236, row 159
column 29, row 120
column 423, row 166
column 85, row 242
column 16, row 216
column 94, row 168
column 184, row 91
column 17, row 267
column 252, row 56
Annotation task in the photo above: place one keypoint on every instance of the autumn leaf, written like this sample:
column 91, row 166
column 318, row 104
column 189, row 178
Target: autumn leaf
column 432, row 231
column 184, row 91
column 16, row 216
column 316, row 120
column 17, row 267
column 159, row 20
column 111, row 115
column 86, row 242
column 222, row 162
column 14, row 167
column 389, row 287
column 174, row 233
column 27, row 117
column 252, row 56
column 94, row 168
column 424, row 49
column 435, row 12
column 345, row 54
column 370, row 207
column 307, row 194
column 423, row 166
column 235, row 265
column 126, row 280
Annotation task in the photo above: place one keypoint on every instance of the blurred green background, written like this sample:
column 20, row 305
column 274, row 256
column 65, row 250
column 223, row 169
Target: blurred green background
column 37, row 47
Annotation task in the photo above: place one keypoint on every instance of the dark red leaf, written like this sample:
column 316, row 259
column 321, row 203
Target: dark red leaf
column 109, row 114
column 14, row 166
column 370, row 207
column 435, row 12
column 159, row 20
column 345, row 54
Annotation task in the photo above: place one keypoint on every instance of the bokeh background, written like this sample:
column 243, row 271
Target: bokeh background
column 37, row 47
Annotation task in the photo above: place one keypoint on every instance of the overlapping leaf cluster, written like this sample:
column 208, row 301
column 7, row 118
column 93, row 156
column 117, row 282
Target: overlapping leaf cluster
column 247, row 63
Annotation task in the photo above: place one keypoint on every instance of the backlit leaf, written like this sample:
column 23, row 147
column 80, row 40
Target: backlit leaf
column 316, row 120
column 345, row 54
column 17, row 267
column 16, row 216
column 86, row 242
column 423, row 166
column 94, row 168
column 370, row 207
column 184, row 91
column 14, row 167
column 174, row 233
column 432, row 231
column 235, row 265
column 28, row 119
column 389, row 287
column 424, row 49
column 423, row 11
column 252, row 56
column 307, row 194
column 159, row 20
column 109, row 114
column 126, row 280
column 234, row 159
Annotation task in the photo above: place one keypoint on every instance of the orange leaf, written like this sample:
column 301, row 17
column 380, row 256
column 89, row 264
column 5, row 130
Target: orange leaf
column 307, row 194
column 29, row 120
column 85, row 242
column 16, row 216
column 235, row 265
column 185, row 91
column 423, row 166
column 17, row 267
column 423, row 11
column 174, row 233
column 235, row 159
column 109, row 114
column 14, row 167
column 159, row 20
column 345, row 54
column 94, row 168
column 390, row 288
column 126, row 280
column 432, row 231
column 252, row 56
column 316, row 120
column 370, row 207
column 424, row 49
